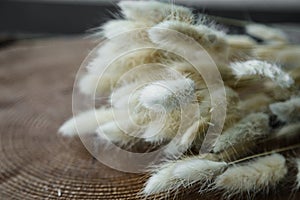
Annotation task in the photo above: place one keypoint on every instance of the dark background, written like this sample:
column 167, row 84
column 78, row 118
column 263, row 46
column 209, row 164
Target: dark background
column 53, row 17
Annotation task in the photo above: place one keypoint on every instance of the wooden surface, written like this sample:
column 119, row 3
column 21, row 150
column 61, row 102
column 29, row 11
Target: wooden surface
column 36, row 80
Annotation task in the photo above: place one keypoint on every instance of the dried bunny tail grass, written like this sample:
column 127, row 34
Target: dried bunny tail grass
column 163, row 128
column 174, row 174
column 131, row 30
column 253, row 176
column 167, row 94
column 278, row 93
column 111, row 131
column 160, row 180
column 261, row 68
column 233, row 113
column 287, row 55
column 168, row 125
column 88, row 84
column 193, row 169
column 153, row 12
column 191, row 72
column 288, row 111
column 120, row 96
column 232, row 97
column 118, row 62
column 186, row 69
column 251, row 128
column 114, row 68
column 266, row 33
column 240, row 41
column 209, row 38
column 86, row 122
column 92, row 84
column 240, row 46
column 194, row 134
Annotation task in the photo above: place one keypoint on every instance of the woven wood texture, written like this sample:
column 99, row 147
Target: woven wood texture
column 36, row 81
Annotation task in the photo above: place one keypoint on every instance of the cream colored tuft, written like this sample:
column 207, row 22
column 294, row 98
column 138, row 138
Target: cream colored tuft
column 266, row 33
column 86, row 122
column 169, row 94
column 261, row 68
column 253, row 176
column 194, row 169
column 112, row 131
column 160, row 181
column 88, row 84
column 172, row 34
column 172, row 175
column 249, row 129
column 126, row 28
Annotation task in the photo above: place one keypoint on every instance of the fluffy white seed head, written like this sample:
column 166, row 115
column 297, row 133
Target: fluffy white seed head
column 172, row 175
column 191, row 170
column 193, row 134
column 88, row 84
column 288, row 111
column 207, row 37
column 129, row 29
column 261, row 68
column 287, row 55
column 160, row 181
column 112, row 131
column 169, row 94
column 105, row 71
column 266, row 33
column 253, row 176
column 240, row 46
column 86, row 122
column 252, row 127
column 240, row 41
column 164, row 127
column 120, row 97
column 152, row 12
column 95, row 85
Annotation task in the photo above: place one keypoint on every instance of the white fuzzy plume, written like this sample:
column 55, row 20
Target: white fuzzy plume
column 115, row 28
column 88, row 84
column 252, row 127
column 184, row 172
column 160, row 181
column 170, row 94
column 204, row 35
column 253, row 176
column 261, row 68
column 86, row 122
column 192, row 134
column 112, row 131
column 191, row 170
column 266, row 33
